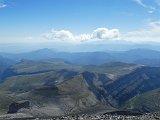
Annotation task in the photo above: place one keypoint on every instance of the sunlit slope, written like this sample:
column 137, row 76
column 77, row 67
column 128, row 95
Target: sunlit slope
column 113, row 69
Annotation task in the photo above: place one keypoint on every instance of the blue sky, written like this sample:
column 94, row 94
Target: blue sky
column 77, row 21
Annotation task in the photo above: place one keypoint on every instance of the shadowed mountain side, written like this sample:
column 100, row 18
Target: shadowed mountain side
column 4, row 64
column 147, row 102
column 139, row 81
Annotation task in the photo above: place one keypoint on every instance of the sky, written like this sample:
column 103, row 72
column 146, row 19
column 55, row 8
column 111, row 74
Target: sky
column 79, row 21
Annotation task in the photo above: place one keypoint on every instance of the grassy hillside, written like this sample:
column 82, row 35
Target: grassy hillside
column 68, row 91
column 30, row 81
column 149, row 102
column 58, row 87
column 25, row 67
column 113, row 69
column 28, row 66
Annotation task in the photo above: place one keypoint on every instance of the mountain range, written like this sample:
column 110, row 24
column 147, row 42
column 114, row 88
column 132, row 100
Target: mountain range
column 138, row 56
column 61, row 83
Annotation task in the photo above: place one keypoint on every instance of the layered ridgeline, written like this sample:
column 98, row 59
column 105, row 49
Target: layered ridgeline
column 137, row 56
column 148, row 102
column 55, row 87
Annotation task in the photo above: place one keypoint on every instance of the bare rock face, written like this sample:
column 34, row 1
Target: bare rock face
column 15, row 106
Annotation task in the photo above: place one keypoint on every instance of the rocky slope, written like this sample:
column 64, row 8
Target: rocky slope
column 58, row 92
column 100, row 116
column 55, row 88
column 148, row 102
column 137, row 82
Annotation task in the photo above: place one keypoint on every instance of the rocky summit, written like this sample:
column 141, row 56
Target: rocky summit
column 22, row 116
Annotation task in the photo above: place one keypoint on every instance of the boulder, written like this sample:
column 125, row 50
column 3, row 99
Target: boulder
column 15, row 106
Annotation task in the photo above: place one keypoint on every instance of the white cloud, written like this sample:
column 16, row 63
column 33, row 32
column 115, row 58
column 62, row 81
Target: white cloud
column 155, row 25
column 2, row 5
column 61, row 34
column 152, row 33
column 140, row 2
column 98, row 34
column 150, row 9
column 104, row 33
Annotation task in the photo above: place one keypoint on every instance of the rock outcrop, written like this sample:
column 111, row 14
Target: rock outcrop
column 15, row 106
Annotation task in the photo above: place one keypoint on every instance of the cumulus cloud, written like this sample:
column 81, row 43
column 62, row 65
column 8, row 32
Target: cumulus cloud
column 104, row 33
column 61, row 34
column 3, row 5
column 152, row 33
column 98, row 34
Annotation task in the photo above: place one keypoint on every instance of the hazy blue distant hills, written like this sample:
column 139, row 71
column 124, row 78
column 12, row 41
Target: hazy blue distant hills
column 108, row 45
column 138, row 56
column 135, row 54
column 149, row 62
